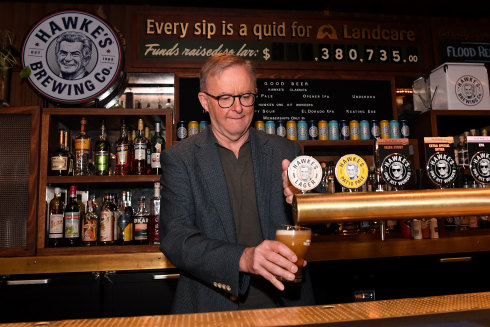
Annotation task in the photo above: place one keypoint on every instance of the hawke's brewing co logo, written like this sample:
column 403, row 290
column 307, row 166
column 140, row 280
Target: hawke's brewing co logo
column 469, row 90
column 305, row 173
column 396, row 170
column 351, row 171
column 441, row 169
column 74, row 56
column 480, row 167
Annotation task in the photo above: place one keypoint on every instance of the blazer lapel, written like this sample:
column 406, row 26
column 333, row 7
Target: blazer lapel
column 262, row 161
column 207, row 157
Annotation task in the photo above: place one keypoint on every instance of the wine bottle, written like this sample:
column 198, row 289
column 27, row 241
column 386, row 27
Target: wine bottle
column 141, row 223
column 59, row 158
column 125, row 221
column 154, row 221
column 157, row 146
column 82, row 150
column 106, row 235
column 71, row 231
column 102, row 151
column 55, row 232
column 122, row 151
column 140, row 145
column 90, row 226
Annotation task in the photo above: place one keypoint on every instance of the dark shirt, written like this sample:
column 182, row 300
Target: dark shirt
column 241, row 188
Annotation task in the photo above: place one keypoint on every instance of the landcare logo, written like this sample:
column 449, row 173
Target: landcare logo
column 396, row 170
column 469, row 90
column 74, row 56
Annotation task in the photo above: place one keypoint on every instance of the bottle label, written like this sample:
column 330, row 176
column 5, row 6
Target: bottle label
column 141, row 228
column 56, row 226
column 102, row 161
column 82, row 145
column 106, row 226
column 122, row 154
column 155, row 160
column 72, row 223
column 89, row 231
column 140, row 151
column 125, row 229
column 59, row 163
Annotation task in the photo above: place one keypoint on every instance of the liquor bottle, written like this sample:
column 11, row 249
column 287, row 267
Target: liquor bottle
column 106, row 234
column 154, row 222
column 132, row 136
column 125, row 221
column 59, row 158
column 71, row 231
column 157, row 146
column 140, row 145
column 71, row 157
column 90, row 226
column 462, row 152
column 56, row 207
column 148, row 150
column 122, row 151
column 82, row 150
column 141, row 223
column 102, row 152
column 115, row 213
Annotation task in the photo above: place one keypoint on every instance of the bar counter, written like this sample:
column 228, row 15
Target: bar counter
column 468, row 310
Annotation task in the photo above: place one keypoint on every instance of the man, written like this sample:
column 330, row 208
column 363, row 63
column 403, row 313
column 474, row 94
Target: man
column 352, row 170
column 222, row 200
column 397, row 170
column 73, row 53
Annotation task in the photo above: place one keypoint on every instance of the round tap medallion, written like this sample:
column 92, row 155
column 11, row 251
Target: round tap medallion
column 469, row 90
column 74, row 56
column 480, row 167
column 396, row 170
column 441, row 169
column 305, row 173
column 351, row 171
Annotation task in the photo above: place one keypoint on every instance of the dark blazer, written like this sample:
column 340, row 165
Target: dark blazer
column 198, row 231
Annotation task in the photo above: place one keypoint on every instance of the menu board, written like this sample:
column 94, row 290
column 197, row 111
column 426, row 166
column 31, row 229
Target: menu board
column 304, row 99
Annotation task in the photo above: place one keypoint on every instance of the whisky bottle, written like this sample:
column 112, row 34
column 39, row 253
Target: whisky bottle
column 125, row 221
column 55, row 232
column 132, row 136
column 71, row 157
column 82, row 150
column 154, row 222
column 141, row 223
column 71, row 231
column 106, row 234
column 157, row 146
column 122, row 151
column 59, row 158
column 148, row 150
column 90, row 225
column 140, row 145
column 102, row 151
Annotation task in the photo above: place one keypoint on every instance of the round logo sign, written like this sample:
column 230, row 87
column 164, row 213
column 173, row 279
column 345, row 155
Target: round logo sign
column 305, row 173
column 74, row 56
column 469, row 90
column 396, row 170
column 480, row 167
column 441, row 169
column 351, row 171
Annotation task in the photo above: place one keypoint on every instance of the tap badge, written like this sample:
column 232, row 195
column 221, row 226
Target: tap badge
column 469, row 90
column 74, row 56
column 351, row 171
column 396, row 170
column 479, row 167
column 305, row 173
column 441, row 169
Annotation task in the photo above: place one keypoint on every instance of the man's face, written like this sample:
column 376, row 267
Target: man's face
column 351, row 171
column 468, row 90
column 305, row 173
column 484, row 167
column 231, row 123
column 397, row 170
column 70, row 57
column 442, row 169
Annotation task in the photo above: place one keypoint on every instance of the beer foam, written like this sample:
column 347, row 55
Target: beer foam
column 292, row 232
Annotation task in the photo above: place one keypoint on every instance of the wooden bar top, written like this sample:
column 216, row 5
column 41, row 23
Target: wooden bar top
column 465, row 309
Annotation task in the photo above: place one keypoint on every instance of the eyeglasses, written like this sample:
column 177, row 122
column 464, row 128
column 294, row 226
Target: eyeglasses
column 226, row 100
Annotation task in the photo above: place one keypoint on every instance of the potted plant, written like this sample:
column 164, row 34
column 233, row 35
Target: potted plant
column 7, row 61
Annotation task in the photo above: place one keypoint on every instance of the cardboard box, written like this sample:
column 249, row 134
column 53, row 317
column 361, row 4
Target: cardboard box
column 460, row 86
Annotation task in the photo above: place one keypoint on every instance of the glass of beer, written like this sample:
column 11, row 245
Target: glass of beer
column 298, row 239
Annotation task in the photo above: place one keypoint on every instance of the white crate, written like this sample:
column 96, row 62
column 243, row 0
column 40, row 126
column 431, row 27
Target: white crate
column 460, row 86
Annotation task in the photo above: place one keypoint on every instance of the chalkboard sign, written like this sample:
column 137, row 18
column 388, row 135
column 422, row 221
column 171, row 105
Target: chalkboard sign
column 304, row 99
